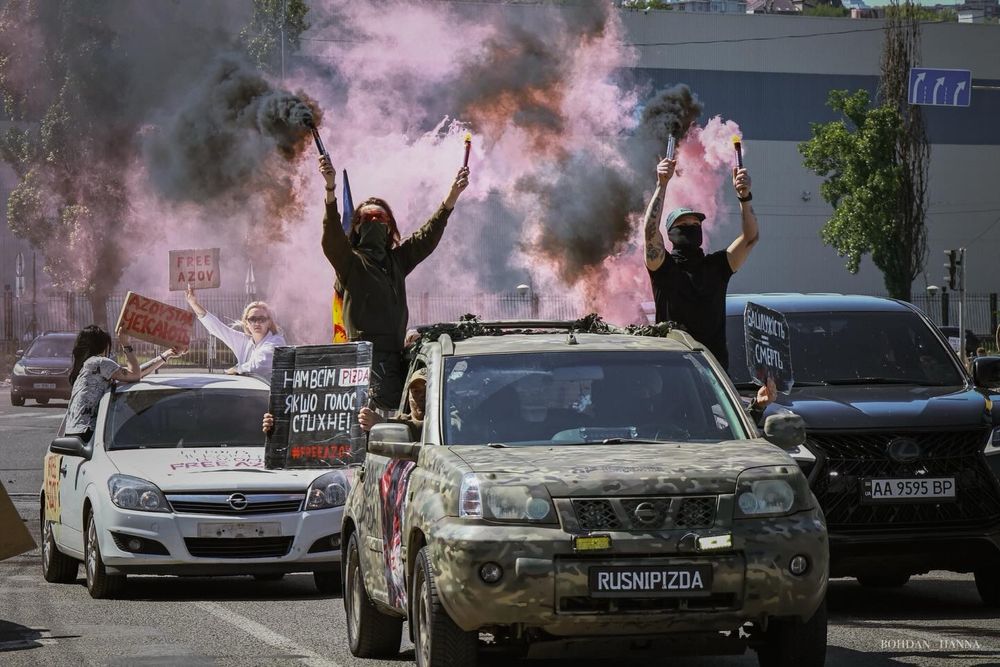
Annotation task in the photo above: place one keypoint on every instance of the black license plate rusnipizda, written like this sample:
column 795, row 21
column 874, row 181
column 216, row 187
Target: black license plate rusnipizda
column 650, row 580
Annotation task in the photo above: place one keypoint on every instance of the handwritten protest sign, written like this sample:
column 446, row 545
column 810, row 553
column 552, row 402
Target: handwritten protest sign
column 768, row 346
column 156, row 322
column 316, row 392
column 198, row 268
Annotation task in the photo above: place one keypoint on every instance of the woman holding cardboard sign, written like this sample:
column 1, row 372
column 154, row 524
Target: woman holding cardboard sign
column 254, row 348
column 94, row 371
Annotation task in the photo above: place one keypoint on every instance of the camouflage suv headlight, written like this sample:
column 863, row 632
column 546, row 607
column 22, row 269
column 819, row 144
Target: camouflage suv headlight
column 493, row 500
column 771, row 491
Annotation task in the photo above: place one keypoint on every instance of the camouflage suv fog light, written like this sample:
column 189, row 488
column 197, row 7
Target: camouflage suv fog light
column 798, row 565
column 491, row 573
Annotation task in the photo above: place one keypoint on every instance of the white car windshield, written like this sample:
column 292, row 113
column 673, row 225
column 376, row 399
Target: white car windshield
column 161, row 418
column 586, row 397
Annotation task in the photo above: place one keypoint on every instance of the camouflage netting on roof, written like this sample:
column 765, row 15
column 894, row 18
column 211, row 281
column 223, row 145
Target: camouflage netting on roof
column 469, row 326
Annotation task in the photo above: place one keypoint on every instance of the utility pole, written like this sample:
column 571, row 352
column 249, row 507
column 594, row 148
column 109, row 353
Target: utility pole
column 961, row 304
column 34, row 294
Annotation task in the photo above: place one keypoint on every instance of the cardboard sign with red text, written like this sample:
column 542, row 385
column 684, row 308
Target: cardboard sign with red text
column 155, row 322
column 316, row 392
column 198, row 268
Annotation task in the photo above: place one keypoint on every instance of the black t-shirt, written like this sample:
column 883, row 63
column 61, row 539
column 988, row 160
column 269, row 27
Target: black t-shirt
column 692, row 293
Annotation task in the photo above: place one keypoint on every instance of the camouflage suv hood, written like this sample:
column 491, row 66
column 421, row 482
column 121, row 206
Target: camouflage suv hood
column 627, row 469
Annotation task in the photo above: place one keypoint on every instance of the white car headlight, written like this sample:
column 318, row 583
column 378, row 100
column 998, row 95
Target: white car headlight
column 772, row 491
column 504, row 502
column 18, row 369
column 328, row 490
column 133, row 493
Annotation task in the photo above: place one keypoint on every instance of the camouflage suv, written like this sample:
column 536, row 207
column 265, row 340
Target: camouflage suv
column 583, row 491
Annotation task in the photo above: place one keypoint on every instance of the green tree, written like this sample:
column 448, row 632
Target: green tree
column 874, row 162
column 67, row 143
column 262, row 37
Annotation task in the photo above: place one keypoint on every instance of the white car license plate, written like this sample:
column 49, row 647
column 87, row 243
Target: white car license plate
column 45, row 385
column 238, row 530
column 878, row 490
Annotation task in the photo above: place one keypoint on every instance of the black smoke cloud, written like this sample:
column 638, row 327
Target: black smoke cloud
column 583, row 213
column 671, row 112
column 224, row 133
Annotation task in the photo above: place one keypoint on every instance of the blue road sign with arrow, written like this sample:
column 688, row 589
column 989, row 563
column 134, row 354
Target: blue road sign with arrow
column 940, row 87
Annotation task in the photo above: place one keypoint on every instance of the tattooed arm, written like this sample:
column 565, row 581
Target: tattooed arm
column 655, row 248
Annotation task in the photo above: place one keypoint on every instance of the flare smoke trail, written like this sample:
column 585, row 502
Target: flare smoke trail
column 225, row 141
column 216, row 153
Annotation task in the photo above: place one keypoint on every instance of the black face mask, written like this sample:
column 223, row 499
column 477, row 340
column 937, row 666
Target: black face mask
column 373, row 237
column 686, row 239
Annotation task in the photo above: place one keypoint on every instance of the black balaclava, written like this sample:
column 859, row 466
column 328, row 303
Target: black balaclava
column 686, row 240
column 373, row 238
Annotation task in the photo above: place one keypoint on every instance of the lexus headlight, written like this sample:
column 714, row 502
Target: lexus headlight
column 18, row 369
column 328, row 490
column 482, row 498
column 132, row 493
column 772, row 491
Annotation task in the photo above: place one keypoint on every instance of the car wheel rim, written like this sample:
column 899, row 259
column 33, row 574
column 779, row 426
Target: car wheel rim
column 47, row 544
column 91, row 551
column 423, row 615
column 353, row 574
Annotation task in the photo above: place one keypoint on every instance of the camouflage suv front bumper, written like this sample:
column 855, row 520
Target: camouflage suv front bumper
column 545, row 583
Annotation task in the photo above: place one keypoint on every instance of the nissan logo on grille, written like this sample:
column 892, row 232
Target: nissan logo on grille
column 238, row 501
column 645, row 513
column 903, row 450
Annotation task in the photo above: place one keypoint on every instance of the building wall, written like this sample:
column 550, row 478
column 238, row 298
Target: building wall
column 771, row 74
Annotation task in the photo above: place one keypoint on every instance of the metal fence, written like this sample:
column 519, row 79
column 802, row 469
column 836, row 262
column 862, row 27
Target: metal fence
column 20, row 319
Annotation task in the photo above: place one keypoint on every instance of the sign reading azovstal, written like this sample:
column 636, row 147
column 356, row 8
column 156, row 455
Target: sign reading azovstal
column 768, row 346
column 316, row 392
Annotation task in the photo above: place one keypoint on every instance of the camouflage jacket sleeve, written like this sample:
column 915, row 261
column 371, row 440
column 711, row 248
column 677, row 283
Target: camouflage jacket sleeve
column 422, row 242
column 336, row 247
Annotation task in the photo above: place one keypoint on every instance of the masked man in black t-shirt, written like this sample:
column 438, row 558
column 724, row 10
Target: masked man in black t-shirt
column 689, row 287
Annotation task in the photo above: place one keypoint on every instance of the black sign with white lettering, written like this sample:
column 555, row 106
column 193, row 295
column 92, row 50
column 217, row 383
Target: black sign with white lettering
column 316, row 392
column 768, row 346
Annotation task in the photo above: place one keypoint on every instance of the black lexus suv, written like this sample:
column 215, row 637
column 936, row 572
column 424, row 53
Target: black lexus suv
column 903, row 446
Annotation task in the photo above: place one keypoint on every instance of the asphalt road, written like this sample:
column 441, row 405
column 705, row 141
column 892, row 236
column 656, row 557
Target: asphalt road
column 937, row 619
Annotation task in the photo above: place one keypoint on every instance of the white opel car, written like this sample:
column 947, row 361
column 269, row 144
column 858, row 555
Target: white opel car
column 174, row 483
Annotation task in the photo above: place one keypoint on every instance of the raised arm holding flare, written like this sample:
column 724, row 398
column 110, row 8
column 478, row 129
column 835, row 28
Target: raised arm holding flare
column 739, row 249
column 372, row 263
column 689, row 286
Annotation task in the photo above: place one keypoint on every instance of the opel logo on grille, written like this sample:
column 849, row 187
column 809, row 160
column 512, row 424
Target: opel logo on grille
column 645, row 513
column 238, row 502
column 903, row 450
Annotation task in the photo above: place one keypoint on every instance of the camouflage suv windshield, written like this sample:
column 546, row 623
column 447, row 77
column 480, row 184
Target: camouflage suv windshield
column 585, row 397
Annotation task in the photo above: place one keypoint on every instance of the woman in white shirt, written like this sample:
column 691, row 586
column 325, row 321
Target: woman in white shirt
column 254, row 349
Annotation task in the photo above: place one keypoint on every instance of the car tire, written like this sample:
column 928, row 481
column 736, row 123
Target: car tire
column 274, row 576
column 883, row 580
column 988, row 585
column 57, row 567
column 42, row 401
column 16, row 401
column 328, row 583
column 370, row 633
column 100, row 584
column 437, row 641
column 792, row 643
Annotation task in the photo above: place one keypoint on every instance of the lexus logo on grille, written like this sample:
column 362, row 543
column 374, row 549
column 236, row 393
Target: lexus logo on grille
column 645, row 513
column 238, row 502
column 904, row 450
